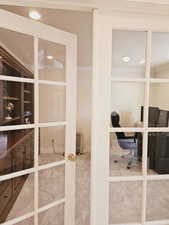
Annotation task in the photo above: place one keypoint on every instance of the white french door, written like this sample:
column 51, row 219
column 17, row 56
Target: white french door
column 50, row 55
column 121, row 35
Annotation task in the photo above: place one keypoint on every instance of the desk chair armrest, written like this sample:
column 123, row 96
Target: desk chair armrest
column 134, row 138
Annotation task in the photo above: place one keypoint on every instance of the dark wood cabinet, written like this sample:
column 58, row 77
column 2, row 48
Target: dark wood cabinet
column 16, row 146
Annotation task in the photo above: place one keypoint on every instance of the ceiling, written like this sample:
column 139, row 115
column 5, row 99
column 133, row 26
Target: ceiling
column 131, row 44
column 79, row 23
column 141, row 6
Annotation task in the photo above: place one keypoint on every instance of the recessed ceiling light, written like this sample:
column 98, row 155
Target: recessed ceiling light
column 142, row 61
column 49, row 57
column 126, row 59
column 34, row 15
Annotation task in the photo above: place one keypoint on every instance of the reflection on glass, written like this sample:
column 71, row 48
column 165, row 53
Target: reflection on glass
column 125, row 202
column 157, row 200
column 15, row 193
column 16, row 151
column 29, row 221
column 53, row 216
column 128, row 54
column 158, row 154
column 159, row 105
column 52, row 61
column 125, row 154
column 160, row 55
column 16, row 103
column 52, row 144
column 51, row 185
column 16, row 59
column 126, row 100
column 52, row 103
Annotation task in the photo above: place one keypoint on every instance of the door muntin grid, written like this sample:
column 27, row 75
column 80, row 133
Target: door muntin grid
column 145, row 128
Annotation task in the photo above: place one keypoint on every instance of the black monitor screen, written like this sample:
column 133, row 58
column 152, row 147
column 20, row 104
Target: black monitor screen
column 163, row 119
column 153, row 116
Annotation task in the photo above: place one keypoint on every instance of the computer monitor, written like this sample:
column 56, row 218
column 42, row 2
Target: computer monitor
column 153, row 116
column 163, row 118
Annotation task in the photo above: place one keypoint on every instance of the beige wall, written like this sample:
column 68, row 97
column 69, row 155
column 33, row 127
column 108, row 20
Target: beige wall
column 126, row 99
column 84, row 99
column 52, row 102
column 159, row 95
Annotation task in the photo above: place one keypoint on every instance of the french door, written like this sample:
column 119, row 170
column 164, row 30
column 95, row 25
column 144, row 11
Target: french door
column 130, row 77
column 39, row 183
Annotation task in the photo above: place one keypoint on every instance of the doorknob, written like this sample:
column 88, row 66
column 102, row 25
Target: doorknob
column 71, row 157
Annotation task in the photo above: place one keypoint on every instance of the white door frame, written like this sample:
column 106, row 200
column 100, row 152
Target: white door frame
column 38, row 30
column 104, row 23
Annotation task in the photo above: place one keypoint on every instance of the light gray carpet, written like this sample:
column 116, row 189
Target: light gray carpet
column 125, row 197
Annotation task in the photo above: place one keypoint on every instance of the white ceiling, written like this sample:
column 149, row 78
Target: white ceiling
column 143, row 6
column 79, row 23
column 131, row 44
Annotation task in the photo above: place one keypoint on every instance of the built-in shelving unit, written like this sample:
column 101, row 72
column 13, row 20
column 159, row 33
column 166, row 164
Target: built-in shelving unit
column 10, row 98
column 17, row 146
column 20, row 95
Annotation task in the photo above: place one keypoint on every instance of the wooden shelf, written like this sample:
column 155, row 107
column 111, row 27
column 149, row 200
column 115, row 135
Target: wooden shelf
column 9, row 121
column 10, row 98
column 27, row 102
column 27, row 92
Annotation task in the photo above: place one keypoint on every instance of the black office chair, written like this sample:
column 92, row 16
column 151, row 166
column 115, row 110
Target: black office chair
column 125, row 142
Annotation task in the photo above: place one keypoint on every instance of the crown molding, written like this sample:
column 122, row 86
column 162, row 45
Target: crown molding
column 151, row 1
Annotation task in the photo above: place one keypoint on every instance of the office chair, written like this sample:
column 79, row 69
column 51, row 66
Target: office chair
column 125, row 142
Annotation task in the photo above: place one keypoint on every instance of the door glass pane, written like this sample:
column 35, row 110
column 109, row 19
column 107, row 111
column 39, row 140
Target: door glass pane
column 157, row 200
column 16, row 151
column 53, row 216
column 160, row 55
column 16, row 54
column 51, row 185
column 125, row 202
column 128, row 54
column 125, row 154
column 52, row 61
column 158, row 154
column 52, row 103
column 52, row 144
column 127, row 100
column 159, row 105
column 13, row 194
column 16, row 103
